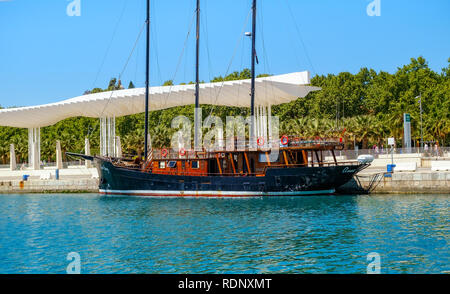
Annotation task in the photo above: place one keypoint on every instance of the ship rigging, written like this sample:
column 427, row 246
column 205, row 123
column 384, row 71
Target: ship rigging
column 266, row 165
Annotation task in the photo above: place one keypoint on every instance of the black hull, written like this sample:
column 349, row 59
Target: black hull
column 277, row 182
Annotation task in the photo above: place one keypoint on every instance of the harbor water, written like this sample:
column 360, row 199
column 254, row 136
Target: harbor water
column 319, row 234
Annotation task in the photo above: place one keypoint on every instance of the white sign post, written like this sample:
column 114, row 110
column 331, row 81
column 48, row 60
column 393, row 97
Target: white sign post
column 391, row 142
column 407, row 132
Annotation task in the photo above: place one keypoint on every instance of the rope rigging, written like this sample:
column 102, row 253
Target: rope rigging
column 241, row 36
column 110, row 43
column 299, row 34
column 92, row 130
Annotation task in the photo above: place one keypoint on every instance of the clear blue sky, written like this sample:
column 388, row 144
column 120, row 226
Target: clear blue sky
column 47, row 56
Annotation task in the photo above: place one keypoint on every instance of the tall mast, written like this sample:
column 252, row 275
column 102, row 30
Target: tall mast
column 197, row 55
column 252, row 93
column 147, row 73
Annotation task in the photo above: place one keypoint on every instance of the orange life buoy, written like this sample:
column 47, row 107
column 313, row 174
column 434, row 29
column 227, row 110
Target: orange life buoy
column 284, row 140
column 182, row 152
column 164, row 152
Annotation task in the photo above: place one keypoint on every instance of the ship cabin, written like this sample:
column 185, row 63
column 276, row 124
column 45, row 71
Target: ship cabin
column 296, row 153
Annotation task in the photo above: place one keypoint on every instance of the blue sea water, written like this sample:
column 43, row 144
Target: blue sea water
column 320, row 234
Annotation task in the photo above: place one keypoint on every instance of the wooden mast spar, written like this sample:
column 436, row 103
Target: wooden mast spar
column 147, row 74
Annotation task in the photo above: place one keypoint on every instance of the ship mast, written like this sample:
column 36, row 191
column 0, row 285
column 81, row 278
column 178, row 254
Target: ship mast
column 147, row 73
column 252, row 91
column 197, row 119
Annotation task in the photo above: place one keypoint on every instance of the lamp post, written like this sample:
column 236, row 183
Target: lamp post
column 421, row 125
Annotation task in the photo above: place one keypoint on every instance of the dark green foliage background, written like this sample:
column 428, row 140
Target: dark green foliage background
column 364, row 108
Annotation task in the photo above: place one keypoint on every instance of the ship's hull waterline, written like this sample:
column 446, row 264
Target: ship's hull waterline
column 298, row 181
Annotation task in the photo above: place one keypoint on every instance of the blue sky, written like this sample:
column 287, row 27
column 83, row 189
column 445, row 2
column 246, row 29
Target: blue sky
column 47, row 56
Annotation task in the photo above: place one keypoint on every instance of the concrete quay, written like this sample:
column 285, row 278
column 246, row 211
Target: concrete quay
column 50, row 186
column 378, row 181
column 75, row 179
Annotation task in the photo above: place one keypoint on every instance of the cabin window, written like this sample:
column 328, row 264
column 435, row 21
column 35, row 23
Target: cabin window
column 172, row 164
column 195, row 164
column 162, row 164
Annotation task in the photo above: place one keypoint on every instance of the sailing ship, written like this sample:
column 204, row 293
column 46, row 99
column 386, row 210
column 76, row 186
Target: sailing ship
column 300, row 167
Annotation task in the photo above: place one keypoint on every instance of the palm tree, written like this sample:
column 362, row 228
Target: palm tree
column 315, row 128
column 47, row 148
column 133, row 143
column 68, row 143
column 21, row 145
column 4, row 150
column 301, row 126
column 349, row 130
column 160, row 137
column 365, row 129
column 395, row 122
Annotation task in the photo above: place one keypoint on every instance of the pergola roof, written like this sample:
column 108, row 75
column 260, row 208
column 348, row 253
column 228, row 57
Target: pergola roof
column 271, row 90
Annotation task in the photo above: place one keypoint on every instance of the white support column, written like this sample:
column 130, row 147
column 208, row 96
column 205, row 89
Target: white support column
column 101, row 136
column 87, row 151
column 59, row 163
column 258, row 131
column 252, row 132
column 113, row 136
column 36, row 157
column 118, row 147
column 30, row 147
column 261, row 121
column 105, row 133
column 256, row 123
column 12, row 157
column 269, row 124
column 108, row 136
column 264, row 116
column 34, row 148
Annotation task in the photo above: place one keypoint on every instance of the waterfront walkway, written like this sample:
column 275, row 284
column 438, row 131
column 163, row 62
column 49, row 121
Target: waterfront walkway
column 71, row 179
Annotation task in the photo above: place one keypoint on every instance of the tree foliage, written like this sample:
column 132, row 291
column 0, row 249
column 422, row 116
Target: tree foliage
column 364, row 108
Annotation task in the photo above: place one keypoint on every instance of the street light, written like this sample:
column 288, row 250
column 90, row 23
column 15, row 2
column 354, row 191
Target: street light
column 421, row 128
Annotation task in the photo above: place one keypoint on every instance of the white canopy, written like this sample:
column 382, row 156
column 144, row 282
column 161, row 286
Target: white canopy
column 271, row 90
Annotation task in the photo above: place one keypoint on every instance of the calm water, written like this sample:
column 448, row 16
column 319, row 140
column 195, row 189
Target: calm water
column 324, row 234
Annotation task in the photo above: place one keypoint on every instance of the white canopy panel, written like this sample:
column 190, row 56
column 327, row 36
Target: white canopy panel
column 271, row 90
